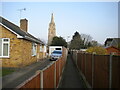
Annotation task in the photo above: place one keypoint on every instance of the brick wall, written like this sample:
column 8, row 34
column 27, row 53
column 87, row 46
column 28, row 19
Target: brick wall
column 20, row 51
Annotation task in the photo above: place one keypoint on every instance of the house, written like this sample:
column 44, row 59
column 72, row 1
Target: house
column 17, row 47
column 111, row 45
column 112, row 42
column 113, row 50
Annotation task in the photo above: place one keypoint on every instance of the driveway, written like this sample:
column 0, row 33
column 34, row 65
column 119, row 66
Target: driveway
column 22, row 74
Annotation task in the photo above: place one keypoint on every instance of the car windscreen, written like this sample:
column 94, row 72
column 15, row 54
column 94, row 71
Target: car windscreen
column 57, row 52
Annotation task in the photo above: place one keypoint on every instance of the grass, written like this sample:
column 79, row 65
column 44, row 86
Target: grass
column 5, row 72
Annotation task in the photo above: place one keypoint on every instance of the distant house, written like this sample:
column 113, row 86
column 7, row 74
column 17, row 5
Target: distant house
column 113, row 50
column 112, row 42
column 111, row 45
column 18, row 47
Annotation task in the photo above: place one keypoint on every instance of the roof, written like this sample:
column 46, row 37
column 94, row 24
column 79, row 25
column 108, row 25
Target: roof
column 112, row 41
column 17, row 30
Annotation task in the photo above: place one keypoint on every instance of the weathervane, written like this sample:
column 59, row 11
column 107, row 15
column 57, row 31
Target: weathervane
column 23, row 9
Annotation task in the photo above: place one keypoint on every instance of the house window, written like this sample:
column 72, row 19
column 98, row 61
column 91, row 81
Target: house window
column 41, row 49
column 4, row 47
column 44, row 48
column 34, row 49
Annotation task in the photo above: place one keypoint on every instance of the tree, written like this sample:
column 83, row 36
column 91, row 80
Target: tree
column 98, row 50
column 94, row 43
column 76, row 42
column 58, row 41
column 86, row 39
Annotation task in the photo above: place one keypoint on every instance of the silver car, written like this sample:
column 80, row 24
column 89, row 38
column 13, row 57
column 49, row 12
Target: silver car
column 55, row 54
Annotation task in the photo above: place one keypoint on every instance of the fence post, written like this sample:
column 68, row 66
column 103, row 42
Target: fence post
column 110, row 71
column 76, row 57
column 93, row 69
column 85, row 63
column 41, row 78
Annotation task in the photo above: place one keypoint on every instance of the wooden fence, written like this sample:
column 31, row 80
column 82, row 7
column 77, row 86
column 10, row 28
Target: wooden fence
column 99, row 71
column 48, row 77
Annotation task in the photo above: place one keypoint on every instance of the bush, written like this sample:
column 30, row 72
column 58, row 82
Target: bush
column 98, row 50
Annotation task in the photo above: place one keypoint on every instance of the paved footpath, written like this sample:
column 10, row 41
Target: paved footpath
column 22, row 74
column 71, row 77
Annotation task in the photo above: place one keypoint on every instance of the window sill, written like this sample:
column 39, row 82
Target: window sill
column 4, row 57
column 33, row 55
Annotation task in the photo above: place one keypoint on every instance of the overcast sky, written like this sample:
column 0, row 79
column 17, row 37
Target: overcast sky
column 98, row 19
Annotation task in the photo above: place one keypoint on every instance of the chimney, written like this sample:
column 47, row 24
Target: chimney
column 24, row 24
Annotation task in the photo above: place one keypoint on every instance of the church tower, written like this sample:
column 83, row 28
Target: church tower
column 51, row 30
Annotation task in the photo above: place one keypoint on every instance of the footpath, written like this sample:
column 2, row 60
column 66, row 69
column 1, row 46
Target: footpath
column 71, row 77
column 22, row 74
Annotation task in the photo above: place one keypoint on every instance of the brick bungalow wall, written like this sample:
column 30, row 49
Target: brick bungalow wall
column 20, row 51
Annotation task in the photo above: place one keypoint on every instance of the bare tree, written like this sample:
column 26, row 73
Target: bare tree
column 86, row 38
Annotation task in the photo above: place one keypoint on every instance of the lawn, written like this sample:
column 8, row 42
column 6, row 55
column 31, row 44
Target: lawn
column 4, row 72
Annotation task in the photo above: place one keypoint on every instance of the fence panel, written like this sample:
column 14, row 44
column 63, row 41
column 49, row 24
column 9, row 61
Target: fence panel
column 83, row 63
column 89, row 68
column 33, row 82
column 48, row 77
column 79, row 60
column 101, row 71
column 116, row 72
column 57, row 72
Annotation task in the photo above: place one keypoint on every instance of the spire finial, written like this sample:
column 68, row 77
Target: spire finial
column 52, row 18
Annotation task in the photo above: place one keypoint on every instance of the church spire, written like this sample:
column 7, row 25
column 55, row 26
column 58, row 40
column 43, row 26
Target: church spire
column 52, row 18
column 51, row 30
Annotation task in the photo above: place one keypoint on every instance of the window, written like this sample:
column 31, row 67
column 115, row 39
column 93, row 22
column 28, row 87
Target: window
column 44, row 48
column 41, row 49
column 34, row 49
column 4, row 47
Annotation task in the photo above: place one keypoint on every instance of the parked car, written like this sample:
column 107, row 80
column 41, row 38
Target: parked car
column 55, row 55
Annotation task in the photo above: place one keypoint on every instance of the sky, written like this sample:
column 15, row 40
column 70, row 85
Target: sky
column 97, row 19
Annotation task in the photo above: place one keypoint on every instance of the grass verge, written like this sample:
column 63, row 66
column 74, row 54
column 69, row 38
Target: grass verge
column 5, row 72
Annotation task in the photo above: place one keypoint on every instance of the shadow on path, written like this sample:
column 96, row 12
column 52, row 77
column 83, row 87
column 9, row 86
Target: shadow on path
column 71, row 77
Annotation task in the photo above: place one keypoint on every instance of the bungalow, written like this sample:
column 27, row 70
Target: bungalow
column 17, row 47
column 113, row 50
column 112, row 42
column 111, row 45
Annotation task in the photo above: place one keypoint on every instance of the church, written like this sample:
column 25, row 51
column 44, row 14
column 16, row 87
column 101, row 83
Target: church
column 51, row 30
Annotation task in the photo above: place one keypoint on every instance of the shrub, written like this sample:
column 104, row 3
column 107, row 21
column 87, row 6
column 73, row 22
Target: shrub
column 98, row 50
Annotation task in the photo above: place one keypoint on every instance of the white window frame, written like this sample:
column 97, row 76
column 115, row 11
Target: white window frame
column 44, row 48
column 41, row 48
column 5, row 42
column 34, row 53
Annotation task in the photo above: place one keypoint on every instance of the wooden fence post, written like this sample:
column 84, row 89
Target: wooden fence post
column 110, row 71
column 85, row 63
column 41, row 78
column 76, row 57
column 93, row 69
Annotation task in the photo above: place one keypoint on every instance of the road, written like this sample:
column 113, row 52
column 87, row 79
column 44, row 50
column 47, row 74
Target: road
column 19, row 76
column 71, row 77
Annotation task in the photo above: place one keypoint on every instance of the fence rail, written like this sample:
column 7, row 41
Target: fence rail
column 99, row 71
column 48, row 77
